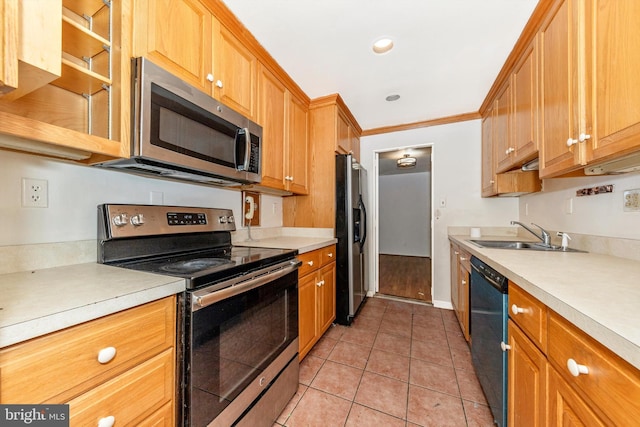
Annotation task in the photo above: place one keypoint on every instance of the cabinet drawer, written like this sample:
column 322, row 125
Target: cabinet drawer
column 310, row 262
column 530, row 314
column 465, row 259
column 611, row 384
column 327, row 255
column 163, row 417
column 61, row 365
column 130, row 397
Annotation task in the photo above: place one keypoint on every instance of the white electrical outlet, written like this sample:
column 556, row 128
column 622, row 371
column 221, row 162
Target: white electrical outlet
column 632, row 200
column 35, row 193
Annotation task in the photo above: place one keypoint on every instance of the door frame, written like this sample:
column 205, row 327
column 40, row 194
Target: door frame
column 374, row 231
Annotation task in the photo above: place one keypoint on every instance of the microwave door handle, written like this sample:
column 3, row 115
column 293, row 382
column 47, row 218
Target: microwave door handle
column 247, row 149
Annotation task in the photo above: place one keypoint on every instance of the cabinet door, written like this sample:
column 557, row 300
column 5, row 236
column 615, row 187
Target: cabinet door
column 235, row 73
column 298, row 146
column 455, row 273
column 566, row 408
column 343, row 140
column 184, row 53
column 463, row 301
column 307, row 313
column 502, row 140
column 525, row 107
column 489, row 186
column 271, row 115
column 612, row 43
column 527, row 381
column 560, row 99
column 327, row 297
column 355, row 143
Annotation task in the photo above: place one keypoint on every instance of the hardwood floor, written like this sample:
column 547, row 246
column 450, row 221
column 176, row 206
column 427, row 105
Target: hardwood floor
column 405, row 276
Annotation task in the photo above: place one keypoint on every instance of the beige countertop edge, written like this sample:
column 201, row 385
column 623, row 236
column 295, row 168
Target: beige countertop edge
column 302, row 244
column 616, row 329
column 133, row 288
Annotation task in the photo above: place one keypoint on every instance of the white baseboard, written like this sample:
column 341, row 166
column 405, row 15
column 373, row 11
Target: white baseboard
column 443, row 304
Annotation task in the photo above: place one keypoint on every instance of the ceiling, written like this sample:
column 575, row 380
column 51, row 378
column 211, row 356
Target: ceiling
column 446, row 55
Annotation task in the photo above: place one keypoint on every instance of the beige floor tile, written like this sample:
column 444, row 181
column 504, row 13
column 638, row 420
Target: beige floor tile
column 319, row 409
column 435, row 377
column 360, row 336
column 400, row 329
column 461, row 358
column 337, row 379
column 309, row 367
column 286, row 412
column 361, row 416
column 477, row 415
column 393, row 344
column 431, row 408
column 335, row 331
column 389, row 364
column 430, row 334
column 323, row 348
column 350, row 354
column 383, row 394
column 373, row 310
column 433, row 352
column 470, row 388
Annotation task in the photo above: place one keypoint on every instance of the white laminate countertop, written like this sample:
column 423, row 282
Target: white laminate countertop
column 38, row 302
column 600, row 294
column 302, row 244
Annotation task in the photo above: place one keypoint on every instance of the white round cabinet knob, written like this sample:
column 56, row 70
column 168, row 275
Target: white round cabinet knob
column 516, row 310
column 107, row 421
column 571, row 142
column 575, row 369
column 310, row 263
column 210, row 77
column 106, row 355
column 504, row 347
column 583, row 137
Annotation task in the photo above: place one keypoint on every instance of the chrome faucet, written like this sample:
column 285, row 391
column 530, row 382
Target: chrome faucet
column 544, row 236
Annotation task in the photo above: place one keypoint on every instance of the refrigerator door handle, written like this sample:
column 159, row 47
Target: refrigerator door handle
column 364, row 222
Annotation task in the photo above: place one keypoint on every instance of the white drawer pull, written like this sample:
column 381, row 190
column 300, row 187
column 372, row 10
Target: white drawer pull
column 516, row 310
column 576, row 369
column 310, row 263
column 330, row 254
column 504, row 346
column 106, row 355
column 107, row 421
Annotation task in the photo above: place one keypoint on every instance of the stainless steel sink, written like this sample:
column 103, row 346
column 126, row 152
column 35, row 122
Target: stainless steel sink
column 511, row 244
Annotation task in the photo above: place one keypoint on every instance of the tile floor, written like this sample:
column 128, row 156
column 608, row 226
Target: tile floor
column 398, row 364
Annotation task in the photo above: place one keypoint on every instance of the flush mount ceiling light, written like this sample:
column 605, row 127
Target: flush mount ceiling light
column 393, row 97
column 406, row 162
column 383, row 45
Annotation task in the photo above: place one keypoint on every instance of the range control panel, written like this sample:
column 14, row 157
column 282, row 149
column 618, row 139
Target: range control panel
column 151, row 220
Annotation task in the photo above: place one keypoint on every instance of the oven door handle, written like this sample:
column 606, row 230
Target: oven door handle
column 244, row 284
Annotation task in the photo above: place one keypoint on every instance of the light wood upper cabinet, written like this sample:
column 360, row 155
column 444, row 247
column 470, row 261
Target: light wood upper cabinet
column 612, row 49
column 347, row 137
column 285, row 138
column 489, row 186
column 524, row 82
column 82, row 112
column 502, row 141
column 561, row 95
column 297, row 146
column 30, row 59
column 235, row 72
column 272, row 117
column 160, row 34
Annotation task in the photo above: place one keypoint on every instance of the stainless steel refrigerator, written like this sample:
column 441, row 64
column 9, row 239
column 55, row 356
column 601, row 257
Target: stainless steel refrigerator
column 351, row 232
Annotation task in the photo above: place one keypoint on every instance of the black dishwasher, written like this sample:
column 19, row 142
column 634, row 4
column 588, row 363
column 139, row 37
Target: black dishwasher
column 488, row 326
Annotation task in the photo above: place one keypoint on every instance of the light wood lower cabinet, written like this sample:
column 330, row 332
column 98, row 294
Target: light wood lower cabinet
column 72, row 366
column 558, row 370
column 316, row 296
column 460, row 278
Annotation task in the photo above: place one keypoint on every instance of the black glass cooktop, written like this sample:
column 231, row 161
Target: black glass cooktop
column 207, row 267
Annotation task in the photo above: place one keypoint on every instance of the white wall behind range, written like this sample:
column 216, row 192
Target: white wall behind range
column 75, row 191
column 597, row 215
column 456, row 181
column 405, row 213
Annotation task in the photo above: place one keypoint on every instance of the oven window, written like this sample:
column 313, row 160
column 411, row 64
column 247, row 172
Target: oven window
column 234, row 340
column 180, row 126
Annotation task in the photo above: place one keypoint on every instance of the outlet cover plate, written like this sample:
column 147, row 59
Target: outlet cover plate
column 35, row 193
column 632, row 200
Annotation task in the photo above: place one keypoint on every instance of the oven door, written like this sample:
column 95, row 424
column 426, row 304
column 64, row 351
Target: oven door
column 238, row 340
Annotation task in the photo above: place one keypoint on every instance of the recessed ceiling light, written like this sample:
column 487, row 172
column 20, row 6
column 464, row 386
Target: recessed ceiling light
column 393, row 97
column 383, row 45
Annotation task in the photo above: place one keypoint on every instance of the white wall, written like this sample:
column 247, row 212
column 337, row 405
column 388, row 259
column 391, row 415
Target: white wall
column 75, row 191
column 456, row 181
column 404, row 214
column 598, row 215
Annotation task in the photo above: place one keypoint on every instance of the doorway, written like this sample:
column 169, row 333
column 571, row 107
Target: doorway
column 403, row 188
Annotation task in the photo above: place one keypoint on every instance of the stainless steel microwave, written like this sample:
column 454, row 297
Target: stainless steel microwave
column 182, row 133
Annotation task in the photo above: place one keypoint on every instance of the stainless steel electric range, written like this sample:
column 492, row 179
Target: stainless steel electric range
column 238, row 318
